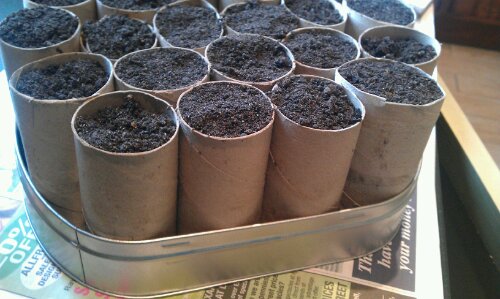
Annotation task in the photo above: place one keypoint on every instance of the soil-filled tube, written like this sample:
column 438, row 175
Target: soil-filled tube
column 321, row 14
column 128, row 178
column 116, row 36
column 225, row 3
column 309, row 162
column 377, row 13
column 224, row 149
column 14, row 56
column 190, row 24
column 397, row 33
column 396, row 128
column 86, row 9
column 319, row 51
column 249, row 59
column 45, row 128
column 162, row 72
column 144, row 10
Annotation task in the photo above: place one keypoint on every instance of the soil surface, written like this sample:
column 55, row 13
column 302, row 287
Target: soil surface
column 74, row 79
column 38, row 27
column 321, row 48
column 270, row 20
column 226, row 110
column 317, row 11
column 188, row 26
column 117, row 35
column 136, row 4
column 315, row 103
column 390, row 11
column 249, row 58
column 405, row 50
column 395, row 81
column 126, row 129
column 162, row 68
column 58, row 2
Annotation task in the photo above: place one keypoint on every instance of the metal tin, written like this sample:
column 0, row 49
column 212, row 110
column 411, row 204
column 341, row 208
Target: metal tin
column 179, row 264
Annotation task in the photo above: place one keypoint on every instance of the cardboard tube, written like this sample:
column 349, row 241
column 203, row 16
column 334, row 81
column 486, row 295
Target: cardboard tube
column 225, row 3
column 221, row 179
column 85, row 10
column 146, row 15
column 308, row 167
column 390, row 145
column 198, row 3
column 170, row 95
column 74, row 217
column 340, row 26
column 14, row 57
column 216, row 75
column 128, row 196
column 357, row 22
column 328, row 73
column 45, row 130
column 402, row 32
column 84, row 46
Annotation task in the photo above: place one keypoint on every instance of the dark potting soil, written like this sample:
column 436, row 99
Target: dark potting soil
column 58, row 2
column 136, row 4
column 188, row 26
column 321, row 48
column 73, row 79
column 315, row 103
column 250, row 58
column 38, row 27
column 126, row 129
column 162, row 68
column 225, row 109
column 406, row 50
column 270, row 20
column 117, row 35
column 390, row 11
column 317, row 11
column 395, row 81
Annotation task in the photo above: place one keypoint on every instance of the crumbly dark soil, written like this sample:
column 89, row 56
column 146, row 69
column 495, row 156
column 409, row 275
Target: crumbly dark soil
column 117, row 35
column 38, row 27
column 227, row 110
column 58, row 2
column 136, row 4
column 395, row 81
column 390, row 11
column 126, row 129
column 162, row 69
column 406, row 50
column 270, row 20
column 315, row 103
column 317, row 11
column 321, row 48
column 249, row 58
column 74, row 79
column 188, row 26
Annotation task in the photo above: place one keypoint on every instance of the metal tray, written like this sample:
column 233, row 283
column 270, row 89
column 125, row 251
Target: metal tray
column 179, row 264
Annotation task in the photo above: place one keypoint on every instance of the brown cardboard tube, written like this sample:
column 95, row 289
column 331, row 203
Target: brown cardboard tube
column 199, row 3
column 340, row 26
column 357, row 22
column 390, row 145
column 328, row 73
column 85, row 10
column 221, row 179
column 74, row 217
column 216, row 75
column 84, row 46
column 146, row 15
column 128, row 196
column 401, row 32
column 14, row 57
column 170, row 95
column 46, row 134
column 308, row 167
